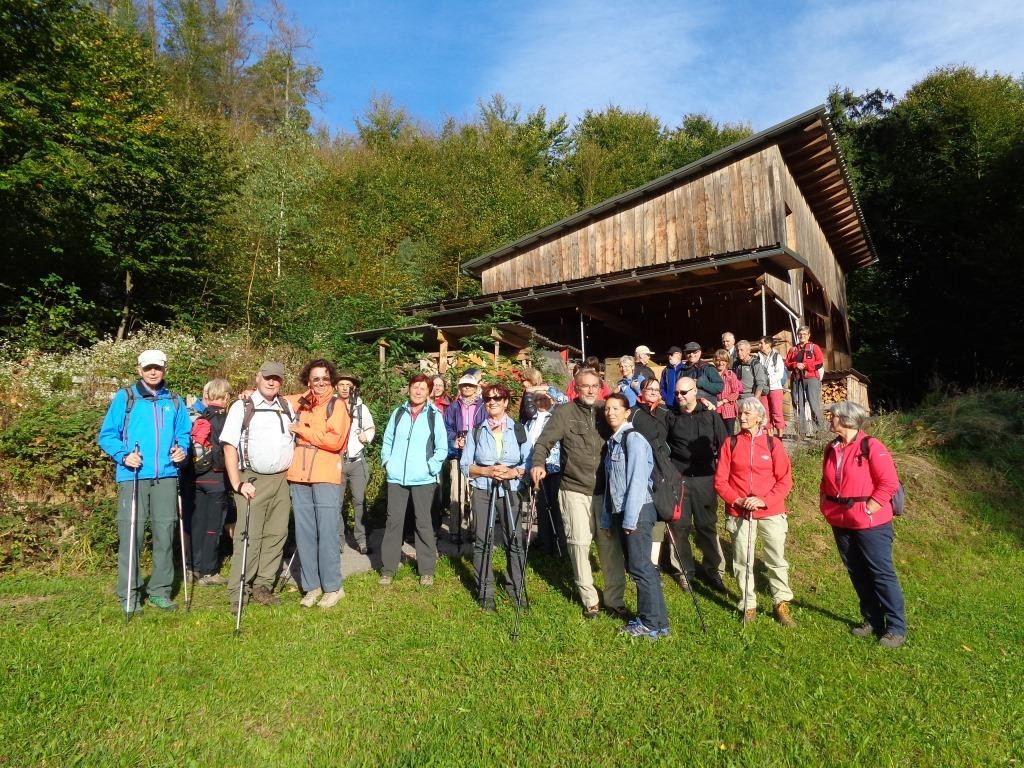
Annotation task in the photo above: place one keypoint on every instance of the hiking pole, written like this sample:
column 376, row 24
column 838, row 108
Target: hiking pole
column 686, row 581
column 181, row 535
column 485, row 557
column 288, row 570
column 245, row 555
column 750, row 559
column 129, row 603
column 456, row 516
column 551, row 519
column 513, row 531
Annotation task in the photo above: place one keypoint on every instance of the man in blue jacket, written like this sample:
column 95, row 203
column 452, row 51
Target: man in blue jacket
column 145, row 431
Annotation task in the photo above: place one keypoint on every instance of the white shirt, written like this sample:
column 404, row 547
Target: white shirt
column 776, row 367
column 355, row 445
column 270, row 444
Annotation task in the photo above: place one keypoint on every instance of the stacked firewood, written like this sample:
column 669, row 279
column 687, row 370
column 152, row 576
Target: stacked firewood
column 833, row 392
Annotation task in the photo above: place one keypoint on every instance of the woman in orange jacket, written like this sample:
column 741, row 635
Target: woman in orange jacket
column 321, row 433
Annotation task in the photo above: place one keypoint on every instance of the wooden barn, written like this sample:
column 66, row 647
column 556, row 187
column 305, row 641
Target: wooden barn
column 754, row 238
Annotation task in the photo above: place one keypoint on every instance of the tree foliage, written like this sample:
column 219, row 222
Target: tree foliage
column 938, row 174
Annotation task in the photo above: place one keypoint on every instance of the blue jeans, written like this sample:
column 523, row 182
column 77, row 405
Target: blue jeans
column 867, row 555
column 650, row 600
column 317, row 509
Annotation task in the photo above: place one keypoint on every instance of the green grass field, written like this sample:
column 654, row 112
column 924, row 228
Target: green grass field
column 412, row 676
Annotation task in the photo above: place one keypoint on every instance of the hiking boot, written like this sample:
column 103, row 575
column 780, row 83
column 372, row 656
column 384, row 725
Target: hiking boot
column 157, row 601
column 427, row 580
column 637, row 628
column 591, row 611
column 683, row 582
column 488, row 605
column 211, row 580
column 385, row 579
column 264, row 596
column 137, row 608
column 620, row 612
column 330, row 599
column 863, row 630
column 311, row 597
column 783, row 616
column 714, row 581
column 892, row 640
column 749, row 615
column 363, row 549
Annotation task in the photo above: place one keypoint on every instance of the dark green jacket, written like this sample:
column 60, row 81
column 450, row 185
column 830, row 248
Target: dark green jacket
column 583, row 432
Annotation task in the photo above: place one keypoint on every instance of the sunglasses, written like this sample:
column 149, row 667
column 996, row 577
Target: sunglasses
column 320, row 380
column 683, row 391
column 494, row 399
column 152, row 367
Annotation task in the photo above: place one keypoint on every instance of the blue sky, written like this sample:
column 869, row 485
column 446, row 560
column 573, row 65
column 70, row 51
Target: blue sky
column 752, row 62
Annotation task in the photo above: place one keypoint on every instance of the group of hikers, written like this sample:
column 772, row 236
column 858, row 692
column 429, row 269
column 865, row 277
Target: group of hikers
column 626, row 465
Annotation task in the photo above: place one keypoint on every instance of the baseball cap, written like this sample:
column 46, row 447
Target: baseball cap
column 674, row 350
column 153, row 357
column 269, row 369
column 469, row 379
column 643, row 349
column 691, row 346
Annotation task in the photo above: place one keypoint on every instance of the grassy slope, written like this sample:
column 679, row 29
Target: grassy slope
column 420, row 677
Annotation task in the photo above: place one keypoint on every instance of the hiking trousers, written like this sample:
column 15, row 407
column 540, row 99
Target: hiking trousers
column 317, row 508
column 268, row 529
column 207, row 524
column 580, row 516
column 158, row 506
column 354, row 475
column 426, row 545
column 773, row 533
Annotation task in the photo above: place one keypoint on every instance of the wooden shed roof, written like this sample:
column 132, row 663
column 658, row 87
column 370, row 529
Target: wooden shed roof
column 515, row 334
column 808, row 145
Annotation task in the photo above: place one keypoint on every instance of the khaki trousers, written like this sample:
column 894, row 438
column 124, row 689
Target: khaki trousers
column 580, row 516
column 773, row 534
column 268, row 529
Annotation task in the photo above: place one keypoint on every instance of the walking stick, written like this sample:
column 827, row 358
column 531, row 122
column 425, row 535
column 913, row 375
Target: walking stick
column 513, row 530
column 485, row 557
column 551, row 519
column 129, row 602
column 288, row 570
column 181, row 535
column 245, row 555
column 750, row 559
column 456, row 517
column 686, row 581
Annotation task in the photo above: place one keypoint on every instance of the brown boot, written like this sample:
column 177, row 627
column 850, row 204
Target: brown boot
column 783, row 616
column 749, row 615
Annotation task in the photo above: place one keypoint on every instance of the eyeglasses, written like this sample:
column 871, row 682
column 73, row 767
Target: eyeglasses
column 320, row 380
column 589, row 386
column 683, row 391
column 493, row 399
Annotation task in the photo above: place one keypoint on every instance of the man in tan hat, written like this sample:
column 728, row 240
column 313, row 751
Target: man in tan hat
column 258, row 448
column 355, row 472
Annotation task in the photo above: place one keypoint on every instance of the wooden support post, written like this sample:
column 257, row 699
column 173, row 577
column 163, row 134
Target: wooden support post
column 442, row 353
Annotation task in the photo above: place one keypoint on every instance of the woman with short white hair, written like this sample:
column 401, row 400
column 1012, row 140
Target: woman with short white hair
column 858, row 482
column 753, row 478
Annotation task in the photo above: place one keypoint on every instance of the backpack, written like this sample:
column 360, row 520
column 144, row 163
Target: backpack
column 130, row 403
column 899, row 498
column 249, row 410
column 733, row 439
column 431, row 416
column 210, row 459
column 518, row 428
column 668, row 487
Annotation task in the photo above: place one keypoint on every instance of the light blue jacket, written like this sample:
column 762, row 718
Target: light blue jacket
column 156, row 423
column 629, row 482
column 485, row 453
column 404, row 451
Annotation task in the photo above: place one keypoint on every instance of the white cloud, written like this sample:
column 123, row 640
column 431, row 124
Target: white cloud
column 740, row 62
column 581, row 55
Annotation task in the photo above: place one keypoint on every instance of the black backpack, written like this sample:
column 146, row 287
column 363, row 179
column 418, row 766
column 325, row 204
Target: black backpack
column 668, row 487
column 431, row 416
column 211, row 460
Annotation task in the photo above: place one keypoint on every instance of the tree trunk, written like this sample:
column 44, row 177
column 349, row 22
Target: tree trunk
column 126, row 310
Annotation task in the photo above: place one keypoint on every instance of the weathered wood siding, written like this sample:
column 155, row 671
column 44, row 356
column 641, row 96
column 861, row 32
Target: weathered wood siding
column 736, row 208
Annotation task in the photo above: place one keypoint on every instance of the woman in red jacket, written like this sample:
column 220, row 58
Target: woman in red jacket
column 753, row 478
column 858, row 480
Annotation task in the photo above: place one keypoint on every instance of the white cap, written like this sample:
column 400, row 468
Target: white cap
column 469, row 379
column 152, row 357
column 643, row 349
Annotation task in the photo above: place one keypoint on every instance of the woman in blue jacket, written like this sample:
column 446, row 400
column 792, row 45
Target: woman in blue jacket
column 414, row 449
column 494, row 460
